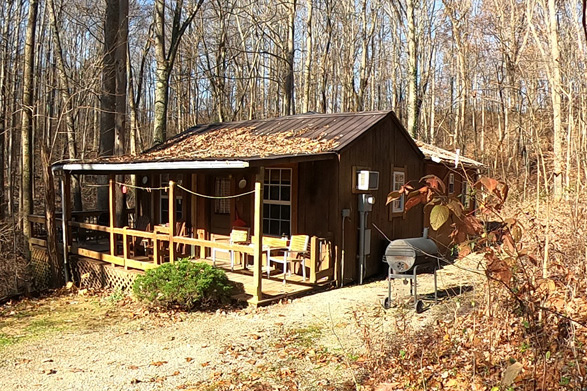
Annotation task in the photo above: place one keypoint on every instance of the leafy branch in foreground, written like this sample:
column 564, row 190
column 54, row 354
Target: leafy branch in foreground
column 537, row 309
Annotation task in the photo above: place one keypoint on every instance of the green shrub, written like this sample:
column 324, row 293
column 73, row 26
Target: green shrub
column 183, row 284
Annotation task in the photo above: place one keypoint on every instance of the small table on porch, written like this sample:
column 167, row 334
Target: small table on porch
column 271, row 244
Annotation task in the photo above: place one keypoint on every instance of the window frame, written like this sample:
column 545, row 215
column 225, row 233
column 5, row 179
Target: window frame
column 451, row 183
column 466, row 196
column 267, row 185
column 398, row 206
column 222, row 186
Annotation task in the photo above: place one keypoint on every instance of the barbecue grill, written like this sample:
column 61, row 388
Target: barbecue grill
column 405, row 258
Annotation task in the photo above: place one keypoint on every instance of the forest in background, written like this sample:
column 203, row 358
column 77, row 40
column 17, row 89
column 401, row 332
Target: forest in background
column 504, row 81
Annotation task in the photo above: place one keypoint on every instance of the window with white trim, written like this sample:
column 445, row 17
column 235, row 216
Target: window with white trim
column 222, row 189
column 399, row 179
column 451, row 183
column 277, row 201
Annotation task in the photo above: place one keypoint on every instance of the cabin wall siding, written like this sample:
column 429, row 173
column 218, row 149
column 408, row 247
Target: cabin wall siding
column 317, row 201
column 379, row 149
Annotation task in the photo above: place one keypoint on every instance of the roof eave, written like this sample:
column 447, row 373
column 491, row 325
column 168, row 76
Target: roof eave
column 116, row 167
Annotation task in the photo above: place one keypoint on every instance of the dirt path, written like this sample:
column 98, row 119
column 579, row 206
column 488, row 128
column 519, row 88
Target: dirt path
column 312, row 341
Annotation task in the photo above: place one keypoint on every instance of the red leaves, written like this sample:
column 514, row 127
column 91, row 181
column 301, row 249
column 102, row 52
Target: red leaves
column 497, row 191
column 467, row 226
column 489, row 183
column 396, row 195
column 498, row 268
column 415, row 198
column 434, row 183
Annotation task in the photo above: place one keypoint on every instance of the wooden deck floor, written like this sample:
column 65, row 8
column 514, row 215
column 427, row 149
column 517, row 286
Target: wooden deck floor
column 274, row 288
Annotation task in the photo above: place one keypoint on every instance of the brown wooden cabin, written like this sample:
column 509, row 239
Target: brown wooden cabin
column 459, row 174
column 295, row 175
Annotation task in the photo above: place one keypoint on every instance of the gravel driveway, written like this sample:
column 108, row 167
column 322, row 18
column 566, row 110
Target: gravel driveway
column 316, row 338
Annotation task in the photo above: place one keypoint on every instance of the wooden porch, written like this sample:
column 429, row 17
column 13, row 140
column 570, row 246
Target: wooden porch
column 96, row 235
column 243, row 279
column 274, row 284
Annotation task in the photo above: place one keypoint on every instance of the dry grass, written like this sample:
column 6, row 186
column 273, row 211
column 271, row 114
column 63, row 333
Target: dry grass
column 13, row 267
column 65, row 310
column 532, row 326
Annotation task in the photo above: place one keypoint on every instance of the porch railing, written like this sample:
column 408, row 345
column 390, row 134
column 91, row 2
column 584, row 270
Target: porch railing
column 321, row 265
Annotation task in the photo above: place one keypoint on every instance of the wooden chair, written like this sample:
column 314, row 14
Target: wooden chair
column 180, row 230
column 295, row 252
column 139, row 245
column 238, row 235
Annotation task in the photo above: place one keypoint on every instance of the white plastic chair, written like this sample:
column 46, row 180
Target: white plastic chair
column 298, row 245
column 237, row 236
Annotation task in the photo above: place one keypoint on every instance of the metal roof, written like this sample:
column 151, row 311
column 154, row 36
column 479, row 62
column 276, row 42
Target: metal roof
column 296, row 137
column 340, row 128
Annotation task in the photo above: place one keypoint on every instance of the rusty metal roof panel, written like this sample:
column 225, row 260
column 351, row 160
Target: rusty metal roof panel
column 302, row 136
column 291, row 135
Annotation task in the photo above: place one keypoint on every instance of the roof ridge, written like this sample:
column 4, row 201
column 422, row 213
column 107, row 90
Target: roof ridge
column 295, row 116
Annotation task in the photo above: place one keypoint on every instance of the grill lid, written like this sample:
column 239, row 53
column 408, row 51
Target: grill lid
column 403, row 254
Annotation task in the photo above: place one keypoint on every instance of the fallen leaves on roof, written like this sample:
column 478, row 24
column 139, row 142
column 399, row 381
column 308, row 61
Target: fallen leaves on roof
column 243, row 142
column 236, row 143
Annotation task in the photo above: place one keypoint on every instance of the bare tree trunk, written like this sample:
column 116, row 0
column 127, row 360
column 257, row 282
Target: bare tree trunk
column 412, row 69
column 55, row 265
column 288, row 104
column 120, row 115
column 556, row 85
column 431, row 132
column 458, row 18
column 11, row 147
column 308, row 64
column 108, row 96
column 6, row 10
column 26, row 207
column 165, row 59
column 570, row 127
column 326, row 55
column 49, row 187
column 368, row 28
column 67, row 101
column 134, row 99
column 120, row 61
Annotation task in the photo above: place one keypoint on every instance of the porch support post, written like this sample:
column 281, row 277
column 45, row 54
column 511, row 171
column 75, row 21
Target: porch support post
column 65, row 217
column 258, row 242
column 125, row 246
column 193, row 212
column 171, row 221
column 112, row 212
column 313, row 258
